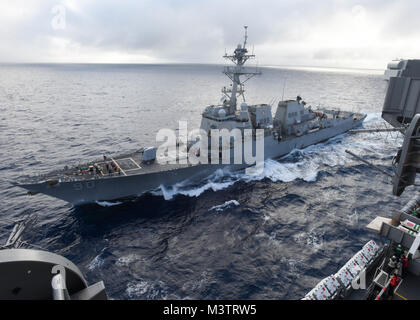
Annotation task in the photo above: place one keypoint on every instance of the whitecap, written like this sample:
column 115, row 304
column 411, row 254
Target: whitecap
column 107, row 203
column 225, row 205
column 97, row 262
column 312, row 239
column 126, row 260
column 149, row 290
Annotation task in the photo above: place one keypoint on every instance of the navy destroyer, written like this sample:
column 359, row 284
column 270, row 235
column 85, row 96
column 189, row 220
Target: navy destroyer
column 389, row 269
column 295, row 125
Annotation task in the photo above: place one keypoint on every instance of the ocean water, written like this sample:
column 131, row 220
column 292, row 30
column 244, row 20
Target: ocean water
column 272, row 236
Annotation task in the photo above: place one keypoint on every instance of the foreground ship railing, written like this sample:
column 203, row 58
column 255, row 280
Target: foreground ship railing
column 36, row 274
column 390, row 272
column 342, row 283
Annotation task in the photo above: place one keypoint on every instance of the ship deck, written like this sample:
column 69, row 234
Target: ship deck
column 408, row 288
column 129, row 164
column 121, row 165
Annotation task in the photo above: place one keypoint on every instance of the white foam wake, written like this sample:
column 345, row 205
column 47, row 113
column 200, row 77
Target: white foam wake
column 107, row 204
column 214, row 182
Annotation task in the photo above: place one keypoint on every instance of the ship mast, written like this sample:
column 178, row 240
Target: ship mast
column 239, row 58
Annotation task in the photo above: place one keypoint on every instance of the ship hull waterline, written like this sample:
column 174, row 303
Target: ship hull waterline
column 120, row 187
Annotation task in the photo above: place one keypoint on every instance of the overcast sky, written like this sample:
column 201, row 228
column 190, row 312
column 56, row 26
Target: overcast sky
column 330, row 33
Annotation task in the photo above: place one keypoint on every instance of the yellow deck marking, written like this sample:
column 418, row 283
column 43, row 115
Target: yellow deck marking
column 402, row 297
column 119, row 166
column 132, row 160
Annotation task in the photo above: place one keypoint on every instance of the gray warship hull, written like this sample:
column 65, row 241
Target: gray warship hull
column 141, row 179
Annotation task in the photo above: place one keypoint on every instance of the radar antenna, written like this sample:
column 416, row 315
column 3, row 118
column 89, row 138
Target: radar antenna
column 239, row 57
column 246, row 35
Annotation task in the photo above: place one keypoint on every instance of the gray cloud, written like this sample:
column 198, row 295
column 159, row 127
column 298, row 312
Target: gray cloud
column 293, row 32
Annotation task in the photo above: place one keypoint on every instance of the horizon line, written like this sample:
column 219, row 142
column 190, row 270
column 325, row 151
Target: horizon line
column 188, row 63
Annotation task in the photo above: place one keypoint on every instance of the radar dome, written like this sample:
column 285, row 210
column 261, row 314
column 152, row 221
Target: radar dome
column 244, row 106
column 222, row 113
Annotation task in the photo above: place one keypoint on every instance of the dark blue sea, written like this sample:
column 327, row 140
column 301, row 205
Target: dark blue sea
column 272, row 236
